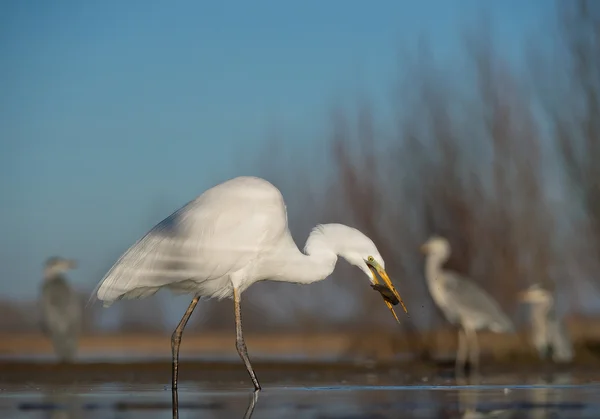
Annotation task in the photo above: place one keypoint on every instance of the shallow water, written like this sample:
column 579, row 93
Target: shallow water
column 319, row 394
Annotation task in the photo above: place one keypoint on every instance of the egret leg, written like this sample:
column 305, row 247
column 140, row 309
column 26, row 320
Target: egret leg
column 239, row 341
column 473, row 349
column 175, row 342
column 461, row 354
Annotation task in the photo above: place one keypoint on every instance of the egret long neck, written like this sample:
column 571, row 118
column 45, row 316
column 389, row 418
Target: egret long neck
column 51, row 275
column 289, row 264
column 541, row 314
column 539, row 319
column 304, row 269
column 433, row 269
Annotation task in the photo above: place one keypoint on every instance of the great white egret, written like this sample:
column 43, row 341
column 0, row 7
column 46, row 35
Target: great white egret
column 463, row 302
column 228, row 238
column 61, row 308
column 549, row 335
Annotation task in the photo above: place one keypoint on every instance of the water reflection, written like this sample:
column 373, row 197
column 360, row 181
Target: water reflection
column 547, row 400
column 469, row 401
column 251, row 405
column 57, row 403
column 247, row 415
column 428, row 396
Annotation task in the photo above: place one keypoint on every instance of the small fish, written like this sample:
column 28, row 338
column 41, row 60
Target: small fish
column 386, row 293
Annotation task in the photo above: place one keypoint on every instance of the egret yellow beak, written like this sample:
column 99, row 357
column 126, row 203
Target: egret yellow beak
column 377, row 270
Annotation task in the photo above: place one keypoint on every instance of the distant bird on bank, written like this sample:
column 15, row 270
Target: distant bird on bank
column 462, row 301
column 61, row 308
column 228, row 238
column 548, row 333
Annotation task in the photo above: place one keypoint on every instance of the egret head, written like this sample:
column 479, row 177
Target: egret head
column 57, row 265
column 360, row 251
column 535, row 294
column 437, row 247
column 385, row 286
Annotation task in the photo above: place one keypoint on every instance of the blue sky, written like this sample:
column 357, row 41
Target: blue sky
column 114, row 113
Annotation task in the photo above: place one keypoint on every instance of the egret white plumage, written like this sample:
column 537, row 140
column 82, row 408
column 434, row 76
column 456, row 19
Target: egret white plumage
column 549, row 335
column 463, row 302
column 61, row 308
column 231, row 236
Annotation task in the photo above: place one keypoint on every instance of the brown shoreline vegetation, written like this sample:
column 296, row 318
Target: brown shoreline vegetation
column 359, row 347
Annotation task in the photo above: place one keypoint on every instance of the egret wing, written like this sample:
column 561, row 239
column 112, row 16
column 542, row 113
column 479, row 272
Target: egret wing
column 474, row 302
column 210, row 237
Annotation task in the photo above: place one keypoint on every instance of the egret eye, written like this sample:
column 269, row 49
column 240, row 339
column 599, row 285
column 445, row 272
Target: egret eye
column 371, row 259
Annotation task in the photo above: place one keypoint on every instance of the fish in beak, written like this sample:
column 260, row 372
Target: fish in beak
column 386, row 289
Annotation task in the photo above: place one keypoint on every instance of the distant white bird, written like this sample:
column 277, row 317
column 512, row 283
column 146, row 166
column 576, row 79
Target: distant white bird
column 61, row 308
column 463, row 302
column 228, row 238
column 549, row 335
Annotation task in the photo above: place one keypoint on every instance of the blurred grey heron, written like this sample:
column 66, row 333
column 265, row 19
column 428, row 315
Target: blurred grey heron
column 549, row 335
column 463, row 302
column 228, row 238
column 61, row 308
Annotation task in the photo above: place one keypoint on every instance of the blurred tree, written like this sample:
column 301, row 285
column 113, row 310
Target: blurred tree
column 574, row 110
